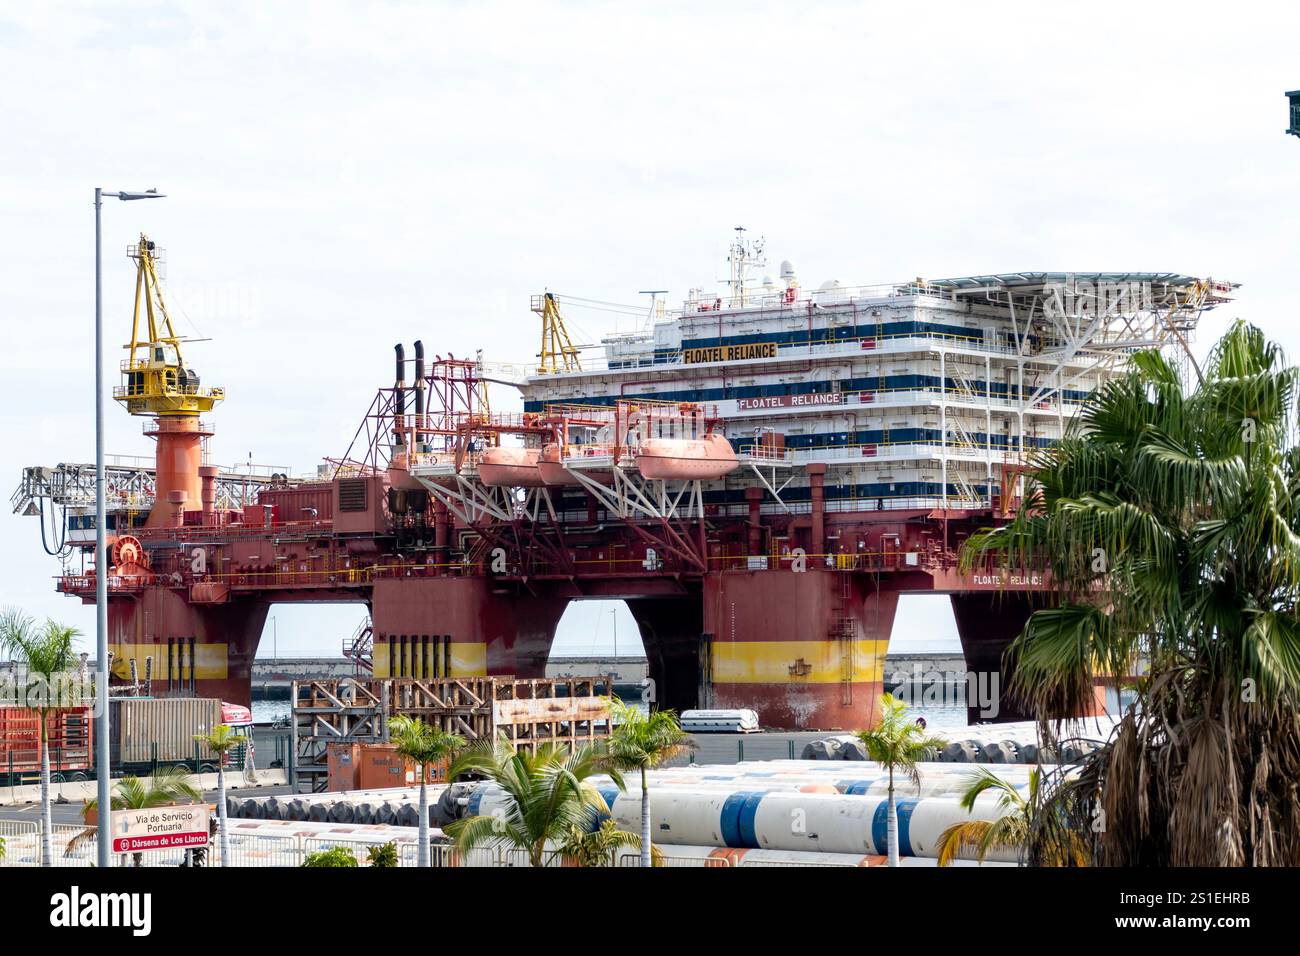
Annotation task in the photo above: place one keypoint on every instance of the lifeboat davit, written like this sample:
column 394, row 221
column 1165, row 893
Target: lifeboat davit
column 552, row 472
column 511, row 467
column 686, row 458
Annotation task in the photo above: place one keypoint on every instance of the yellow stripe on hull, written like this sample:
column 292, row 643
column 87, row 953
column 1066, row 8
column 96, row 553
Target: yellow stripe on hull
column 210, row 660
column 795, row 662
column 467, row 660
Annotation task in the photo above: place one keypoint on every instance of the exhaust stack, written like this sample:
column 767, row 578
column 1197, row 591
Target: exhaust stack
column 417, row 440
column 399, row 396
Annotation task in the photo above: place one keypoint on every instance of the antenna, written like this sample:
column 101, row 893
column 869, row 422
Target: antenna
column 656, row 307
column 745, row 254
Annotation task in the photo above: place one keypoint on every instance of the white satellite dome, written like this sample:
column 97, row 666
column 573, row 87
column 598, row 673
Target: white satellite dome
column 787, row 269
column 830, row 292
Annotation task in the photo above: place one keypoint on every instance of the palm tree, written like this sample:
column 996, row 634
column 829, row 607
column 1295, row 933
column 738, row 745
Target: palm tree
column 898, row 742
column 1012, row 827
column 599, row 847
column 546, row 792
column 168, row 786
column 425, row 745
column 1168, row 518
column 47, row 653
column 641, row 740
column 221, row 741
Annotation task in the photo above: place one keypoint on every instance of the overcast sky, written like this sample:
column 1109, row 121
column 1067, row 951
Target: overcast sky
column 341, row 177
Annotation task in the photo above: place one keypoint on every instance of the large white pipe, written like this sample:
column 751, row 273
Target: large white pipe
column 839, row 770
column 710, row 856
column 847, row 768
column 780, row 820
column 862, row 782
column 720, row 856
column 854, row 786
column 846, row 777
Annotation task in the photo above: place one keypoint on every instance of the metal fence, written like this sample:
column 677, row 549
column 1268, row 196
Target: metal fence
column 22, row 848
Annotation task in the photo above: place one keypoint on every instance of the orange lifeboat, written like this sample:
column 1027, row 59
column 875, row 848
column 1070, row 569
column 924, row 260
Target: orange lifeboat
column 399, row 475
column 511, row 467
column 555, row 473
column 686, row 458
column 552, row 472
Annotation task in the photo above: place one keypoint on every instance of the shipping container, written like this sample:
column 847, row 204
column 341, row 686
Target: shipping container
column 70, row 741
column 144, row 729
column 144, row 732
column 368, row 766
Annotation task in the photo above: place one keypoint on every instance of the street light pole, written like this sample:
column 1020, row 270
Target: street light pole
column 101, row 565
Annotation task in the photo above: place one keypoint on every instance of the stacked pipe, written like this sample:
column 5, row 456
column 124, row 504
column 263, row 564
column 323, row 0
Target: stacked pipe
column 868, row 779
column 720, row 856
column 786, row 806
column 395, row 806
column 706, row 856
column 1013, row 743
column 776, row 805
column 702, row 856
column 776, row 819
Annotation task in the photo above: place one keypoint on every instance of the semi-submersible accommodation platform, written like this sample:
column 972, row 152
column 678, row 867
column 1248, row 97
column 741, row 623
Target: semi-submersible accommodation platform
column 759, row 475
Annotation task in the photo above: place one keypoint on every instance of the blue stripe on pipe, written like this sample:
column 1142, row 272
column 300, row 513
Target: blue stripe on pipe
column 904, row 809
column 748, row 834
column 475, row 800
column 857, row 787
column 729, row 819
column 880, row 828
column 609, row 792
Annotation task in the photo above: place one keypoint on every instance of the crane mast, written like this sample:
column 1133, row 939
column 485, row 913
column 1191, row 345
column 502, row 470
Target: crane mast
column 159, row 385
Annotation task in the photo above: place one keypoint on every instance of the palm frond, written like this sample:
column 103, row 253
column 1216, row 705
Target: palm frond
column 1168, row 520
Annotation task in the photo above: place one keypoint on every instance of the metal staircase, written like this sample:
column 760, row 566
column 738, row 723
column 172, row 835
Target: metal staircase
column 360, row 648
column 844, row 632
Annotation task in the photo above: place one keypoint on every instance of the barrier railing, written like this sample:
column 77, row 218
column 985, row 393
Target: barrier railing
column 633, row 564
column 829, row 345
column 22, row 842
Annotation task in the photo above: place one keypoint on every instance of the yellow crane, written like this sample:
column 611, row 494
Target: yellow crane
column 159, row 385
column 558, row 353
column 157, row 381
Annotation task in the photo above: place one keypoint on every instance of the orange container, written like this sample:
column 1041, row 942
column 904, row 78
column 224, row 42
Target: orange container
column 367, row 766
column 68, row 730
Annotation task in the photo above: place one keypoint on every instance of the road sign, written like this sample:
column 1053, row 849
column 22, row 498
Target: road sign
column 160, row 828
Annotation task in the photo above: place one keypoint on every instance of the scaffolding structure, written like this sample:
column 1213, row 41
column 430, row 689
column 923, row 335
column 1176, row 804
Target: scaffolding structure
column 527, row 713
